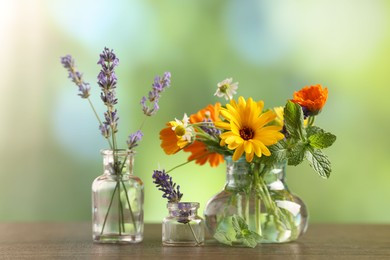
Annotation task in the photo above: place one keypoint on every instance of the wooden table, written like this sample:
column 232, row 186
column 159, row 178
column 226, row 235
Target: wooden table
column 73, row 241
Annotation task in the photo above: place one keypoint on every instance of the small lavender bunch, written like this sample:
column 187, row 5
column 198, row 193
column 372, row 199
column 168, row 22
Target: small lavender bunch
column 107, row 81
column 164, row 183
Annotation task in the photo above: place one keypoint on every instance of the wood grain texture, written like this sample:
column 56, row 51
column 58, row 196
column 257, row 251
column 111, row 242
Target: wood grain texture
column 73, row 241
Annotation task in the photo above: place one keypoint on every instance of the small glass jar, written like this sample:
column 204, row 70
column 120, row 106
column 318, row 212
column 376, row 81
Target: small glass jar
column 183, row 226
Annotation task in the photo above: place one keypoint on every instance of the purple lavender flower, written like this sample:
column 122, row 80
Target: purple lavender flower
column 164, row 182
column 133, row 139
column 76, row 77
column 159, row 85
column 108, row 60
column 209, row 128
column 105, row 130
column 107, row 79
column 111, row 120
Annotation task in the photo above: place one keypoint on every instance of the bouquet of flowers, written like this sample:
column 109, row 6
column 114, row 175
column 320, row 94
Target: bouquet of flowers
column 243, row 130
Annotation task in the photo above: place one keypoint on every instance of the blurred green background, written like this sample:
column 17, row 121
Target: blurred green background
column 50, row 140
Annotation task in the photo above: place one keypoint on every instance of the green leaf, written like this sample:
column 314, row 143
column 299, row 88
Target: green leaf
column 296, row 153
column 322, row 140
column 312, row 130
column 243, row 234
column 278, row 154
column 223, row 238
column 293, row 118
column 319, row 162
column 225, row 233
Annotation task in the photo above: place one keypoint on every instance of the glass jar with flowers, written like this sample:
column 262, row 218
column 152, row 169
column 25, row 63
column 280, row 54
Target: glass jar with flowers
column 183, row 226
column 117, row 195
column 255, row 205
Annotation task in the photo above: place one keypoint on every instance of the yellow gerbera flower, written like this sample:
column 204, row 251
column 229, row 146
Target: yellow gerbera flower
column 247, row 129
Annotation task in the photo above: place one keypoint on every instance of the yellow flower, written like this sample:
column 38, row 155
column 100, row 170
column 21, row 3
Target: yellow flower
column 247, row 129
column 279, row 111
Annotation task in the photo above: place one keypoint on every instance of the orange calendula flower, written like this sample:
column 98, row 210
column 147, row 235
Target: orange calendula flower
column 311, row 99
column 247, row 129
column 198, row 150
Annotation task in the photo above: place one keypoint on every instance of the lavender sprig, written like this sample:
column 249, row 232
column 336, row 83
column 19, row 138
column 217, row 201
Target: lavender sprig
column 133, row 139
column 159, row 85
column 76, row 77
column 107, row 81
column 164, row 182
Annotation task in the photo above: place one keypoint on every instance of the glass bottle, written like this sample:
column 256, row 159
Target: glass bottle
column 259, row 196
column 117, row 200
column 183, row 226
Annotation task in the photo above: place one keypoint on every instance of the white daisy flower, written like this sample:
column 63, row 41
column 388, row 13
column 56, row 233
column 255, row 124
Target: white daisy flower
column 182, row 129
column 226, row 89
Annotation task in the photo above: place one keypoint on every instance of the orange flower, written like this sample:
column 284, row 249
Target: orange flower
column 198, row 150
column 171, row 141
column 311, row 99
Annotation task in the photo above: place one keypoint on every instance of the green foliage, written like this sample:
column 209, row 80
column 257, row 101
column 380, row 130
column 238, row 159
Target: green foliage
column 296, row 153
column 293, row 118
column 304, row 142
column 234, row 230
column 322, row 140
column 319, row 162
column 243, row 234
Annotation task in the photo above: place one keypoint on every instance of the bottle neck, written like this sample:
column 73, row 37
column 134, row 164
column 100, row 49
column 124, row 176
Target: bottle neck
column 120, row 162
column 240, row 174
column 183, row 210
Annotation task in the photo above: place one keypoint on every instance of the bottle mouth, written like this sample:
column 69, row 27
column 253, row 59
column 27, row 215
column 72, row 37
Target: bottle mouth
column 182, row 205
column 122, row 152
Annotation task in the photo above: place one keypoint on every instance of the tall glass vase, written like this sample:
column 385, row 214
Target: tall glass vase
column 257, row 196
column 117, row 200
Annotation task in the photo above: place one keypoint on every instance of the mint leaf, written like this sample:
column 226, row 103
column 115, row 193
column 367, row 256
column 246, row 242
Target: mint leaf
column 322, row 140
column 319, row 162
column 312, row 130
column 225, row 233
column 296, row 153
column 223, row 238
column 278, row 153
column 243, row 234
column 293, row 118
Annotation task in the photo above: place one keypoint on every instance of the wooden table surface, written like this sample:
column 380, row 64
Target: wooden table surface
column 73, row 241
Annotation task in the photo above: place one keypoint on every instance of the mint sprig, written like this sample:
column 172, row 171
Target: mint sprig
column 306, row 142
column 234, row 230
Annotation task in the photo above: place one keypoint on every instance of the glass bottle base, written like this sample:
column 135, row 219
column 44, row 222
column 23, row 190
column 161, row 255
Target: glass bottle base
column 117, row 239
column 181, row 243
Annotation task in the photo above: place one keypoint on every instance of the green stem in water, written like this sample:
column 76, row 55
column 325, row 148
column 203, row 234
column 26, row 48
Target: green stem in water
column 193, row 233
column 109, row 208
column 131, row 211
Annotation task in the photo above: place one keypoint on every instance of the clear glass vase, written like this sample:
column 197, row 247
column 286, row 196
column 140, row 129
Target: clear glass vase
column 183, row 226
column 117, row 200
column 257, row 196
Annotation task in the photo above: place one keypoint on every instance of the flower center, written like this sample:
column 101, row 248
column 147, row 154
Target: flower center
column 247, row 133
column 223, row 88
column 180, row 130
